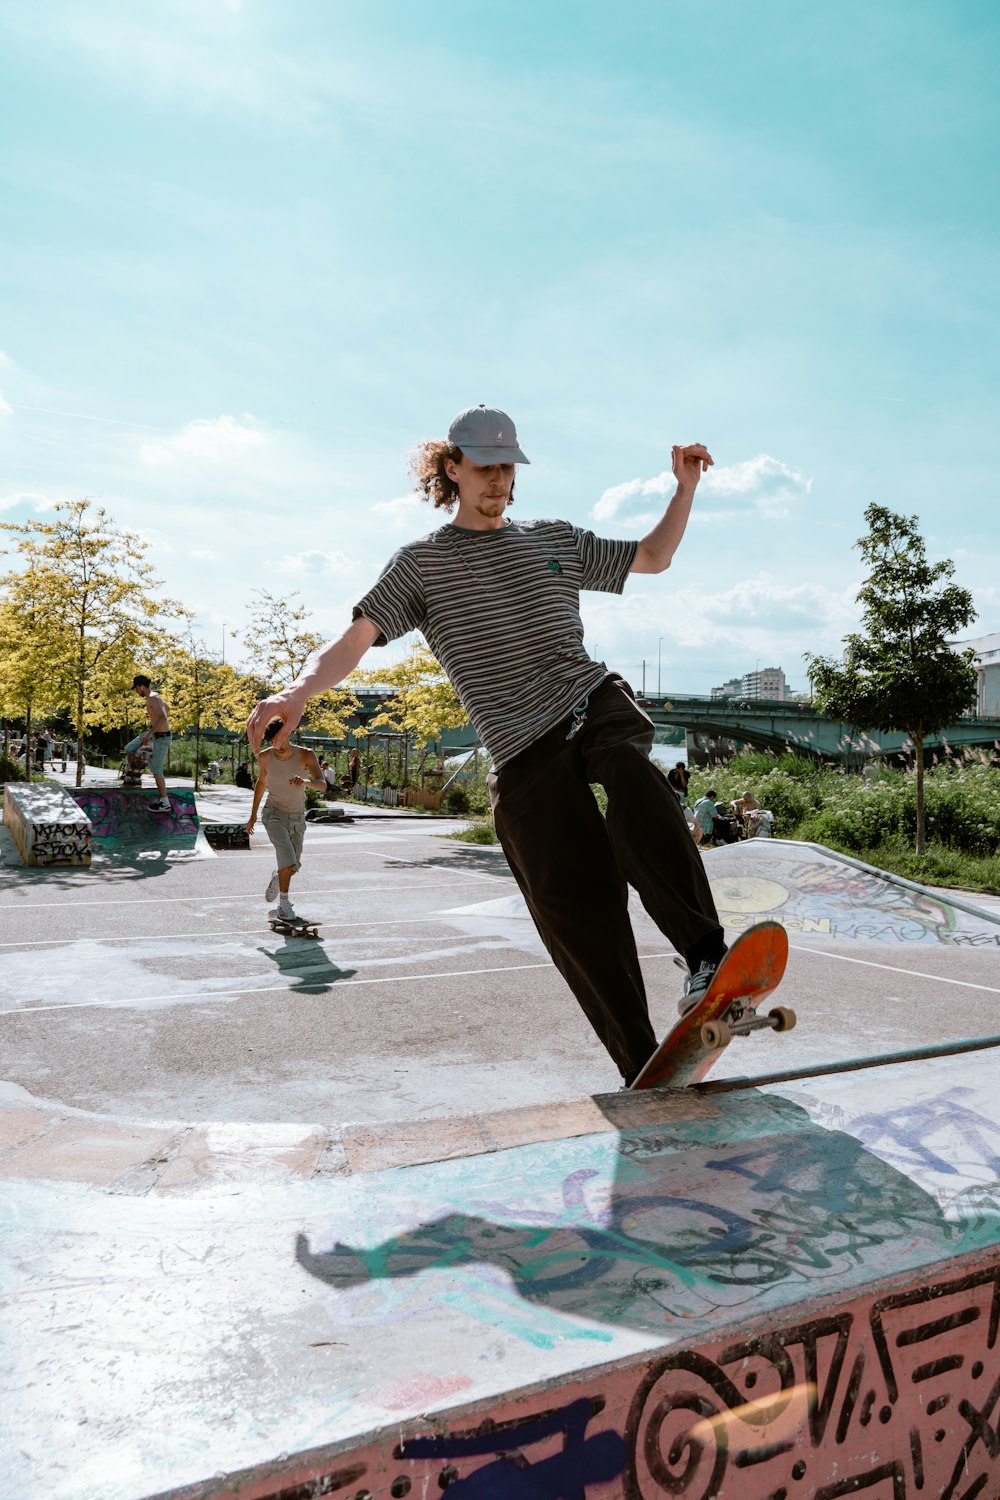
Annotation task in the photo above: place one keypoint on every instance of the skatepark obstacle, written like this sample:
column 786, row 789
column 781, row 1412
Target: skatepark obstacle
column 46, row 824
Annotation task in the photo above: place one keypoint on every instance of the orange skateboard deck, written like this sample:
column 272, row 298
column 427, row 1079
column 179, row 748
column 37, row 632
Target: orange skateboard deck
column 750, row 971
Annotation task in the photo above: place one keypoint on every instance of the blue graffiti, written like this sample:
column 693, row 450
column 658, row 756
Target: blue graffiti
column 562, row 1476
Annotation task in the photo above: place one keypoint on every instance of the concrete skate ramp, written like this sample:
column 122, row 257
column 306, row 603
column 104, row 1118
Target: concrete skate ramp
column 824, row 897
column 741, row 1296
column 124, row 827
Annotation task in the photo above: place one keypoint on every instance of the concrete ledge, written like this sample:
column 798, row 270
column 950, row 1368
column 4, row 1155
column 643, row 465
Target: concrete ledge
column 791, row 1293
column 46, row 824
column 53, row 1143
column 226, row 835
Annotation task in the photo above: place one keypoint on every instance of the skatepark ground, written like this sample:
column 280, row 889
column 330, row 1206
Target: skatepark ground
column 199, row 1119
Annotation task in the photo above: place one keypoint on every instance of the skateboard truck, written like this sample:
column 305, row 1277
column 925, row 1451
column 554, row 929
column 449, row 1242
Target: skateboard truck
column 740, row 1022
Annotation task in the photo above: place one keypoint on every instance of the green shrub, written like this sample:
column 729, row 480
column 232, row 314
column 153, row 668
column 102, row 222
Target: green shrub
column 479, row 832
column 11, row 769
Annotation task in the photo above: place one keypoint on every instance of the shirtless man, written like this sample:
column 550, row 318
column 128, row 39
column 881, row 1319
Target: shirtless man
column 157, row 735
column 497, row 601
column 284, row 772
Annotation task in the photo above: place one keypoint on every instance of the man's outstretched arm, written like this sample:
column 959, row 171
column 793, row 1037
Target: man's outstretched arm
column 656, row 550
column 324, row 670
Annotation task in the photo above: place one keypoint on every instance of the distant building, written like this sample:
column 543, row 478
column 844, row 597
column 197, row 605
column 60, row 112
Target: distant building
column 730, row 689
column 987, row 665
column 768, row 682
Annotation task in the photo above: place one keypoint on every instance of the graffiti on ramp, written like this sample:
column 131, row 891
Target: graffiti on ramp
column 813, row 892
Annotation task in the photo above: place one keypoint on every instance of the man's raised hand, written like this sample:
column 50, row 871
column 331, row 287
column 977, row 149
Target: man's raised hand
column 690, row 462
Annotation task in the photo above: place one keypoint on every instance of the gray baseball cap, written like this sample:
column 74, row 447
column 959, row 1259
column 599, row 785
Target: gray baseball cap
column 487, row 436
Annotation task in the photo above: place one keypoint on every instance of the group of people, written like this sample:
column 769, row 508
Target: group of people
column 38, row 750
column 712, row 821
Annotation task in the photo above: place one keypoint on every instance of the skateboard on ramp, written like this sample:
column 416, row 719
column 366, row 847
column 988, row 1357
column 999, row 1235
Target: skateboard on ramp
column 751, row 970
column 294, row 927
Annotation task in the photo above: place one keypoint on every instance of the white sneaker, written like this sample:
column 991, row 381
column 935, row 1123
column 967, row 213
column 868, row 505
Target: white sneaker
column 161, row 806
column 272, row 887
column 287, row 913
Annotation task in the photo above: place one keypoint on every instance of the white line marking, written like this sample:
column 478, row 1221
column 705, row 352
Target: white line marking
column 111, row 900
column 267, row 989
column 166, row 937
column 282, row 989
column 869, row 963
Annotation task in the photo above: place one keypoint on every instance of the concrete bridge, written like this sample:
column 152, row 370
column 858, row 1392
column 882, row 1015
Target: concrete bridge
column 778, row 726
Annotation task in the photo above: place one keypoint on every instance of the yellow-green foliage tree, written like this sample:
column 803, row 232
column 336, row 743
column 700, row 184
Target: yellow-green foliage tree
column 204, row 692
column 423, row 704
column 276, row 641
column 278, row 645
column 33, row 650
column 98, row 592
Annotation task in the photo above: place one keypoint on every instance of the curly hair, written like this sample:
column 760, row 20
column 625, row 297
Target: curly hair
column 426, row 462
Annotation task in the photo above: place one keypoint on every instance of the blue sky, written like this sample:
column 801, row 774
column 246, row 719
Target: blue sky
column 253, row 250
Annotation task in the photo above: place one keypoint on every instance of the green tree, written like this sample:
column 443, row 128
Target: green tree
column 279, row 644
column 900, row 672
column 276, row 640
column 96, row 590
column 423, row 704
column 205, row 692
column 33, row 650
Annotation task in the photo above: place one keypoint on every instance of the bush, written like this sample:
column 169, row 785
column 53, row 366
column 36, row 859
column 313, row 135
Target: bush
column 11, row 769
column 479, row 832
column 457, row 800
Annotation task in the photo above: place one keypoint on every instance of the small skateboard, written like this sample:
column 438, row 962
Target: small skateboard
column 750, row 971
column 294, row 927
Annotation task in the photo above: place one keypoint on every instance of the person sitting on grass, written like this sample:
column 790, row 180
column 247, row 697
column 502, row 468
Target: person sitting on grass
column 704, row 817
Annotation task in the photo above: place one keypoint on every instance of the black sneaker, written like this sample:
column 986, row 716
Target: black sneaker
column 695, row 986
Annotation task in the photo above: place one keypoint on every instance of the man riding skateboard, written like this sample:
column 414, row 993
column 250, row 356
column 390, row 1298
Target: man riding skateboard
column 284, row 772
column 498, row 603
column 157, row 736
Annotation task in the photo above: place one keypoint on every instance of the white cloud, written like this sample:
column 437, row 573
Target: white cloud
column 33, row 498
column 702, row 637
column 403, row 512
column 763, row 486
column 154, row 539
column 216, row 440
column 205, row 556
column 5, row 359
column 6, row 409
column 315, row 562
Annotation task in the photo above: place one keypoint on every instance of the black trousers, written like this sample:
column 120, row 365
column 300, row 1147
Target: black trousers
column 574, row 866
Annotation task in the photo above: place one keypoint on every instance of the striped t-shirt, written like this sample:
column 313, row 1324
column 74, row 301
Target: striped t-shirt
column 501, row 612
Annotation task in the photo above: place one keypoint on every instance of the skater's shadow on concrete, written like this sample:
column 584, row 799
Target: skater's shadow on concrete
column 488, row 860
column 307, row 964
column 660, row 1226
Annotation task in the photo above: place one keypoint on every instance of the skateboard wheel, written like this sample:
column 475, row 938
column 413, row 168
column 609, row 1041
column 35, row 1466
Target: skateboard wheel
column 716, row 1034
column 782, row 1018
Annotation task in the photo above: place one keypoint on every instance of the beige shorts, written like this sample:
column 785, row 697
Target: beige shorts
column 286, row 832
